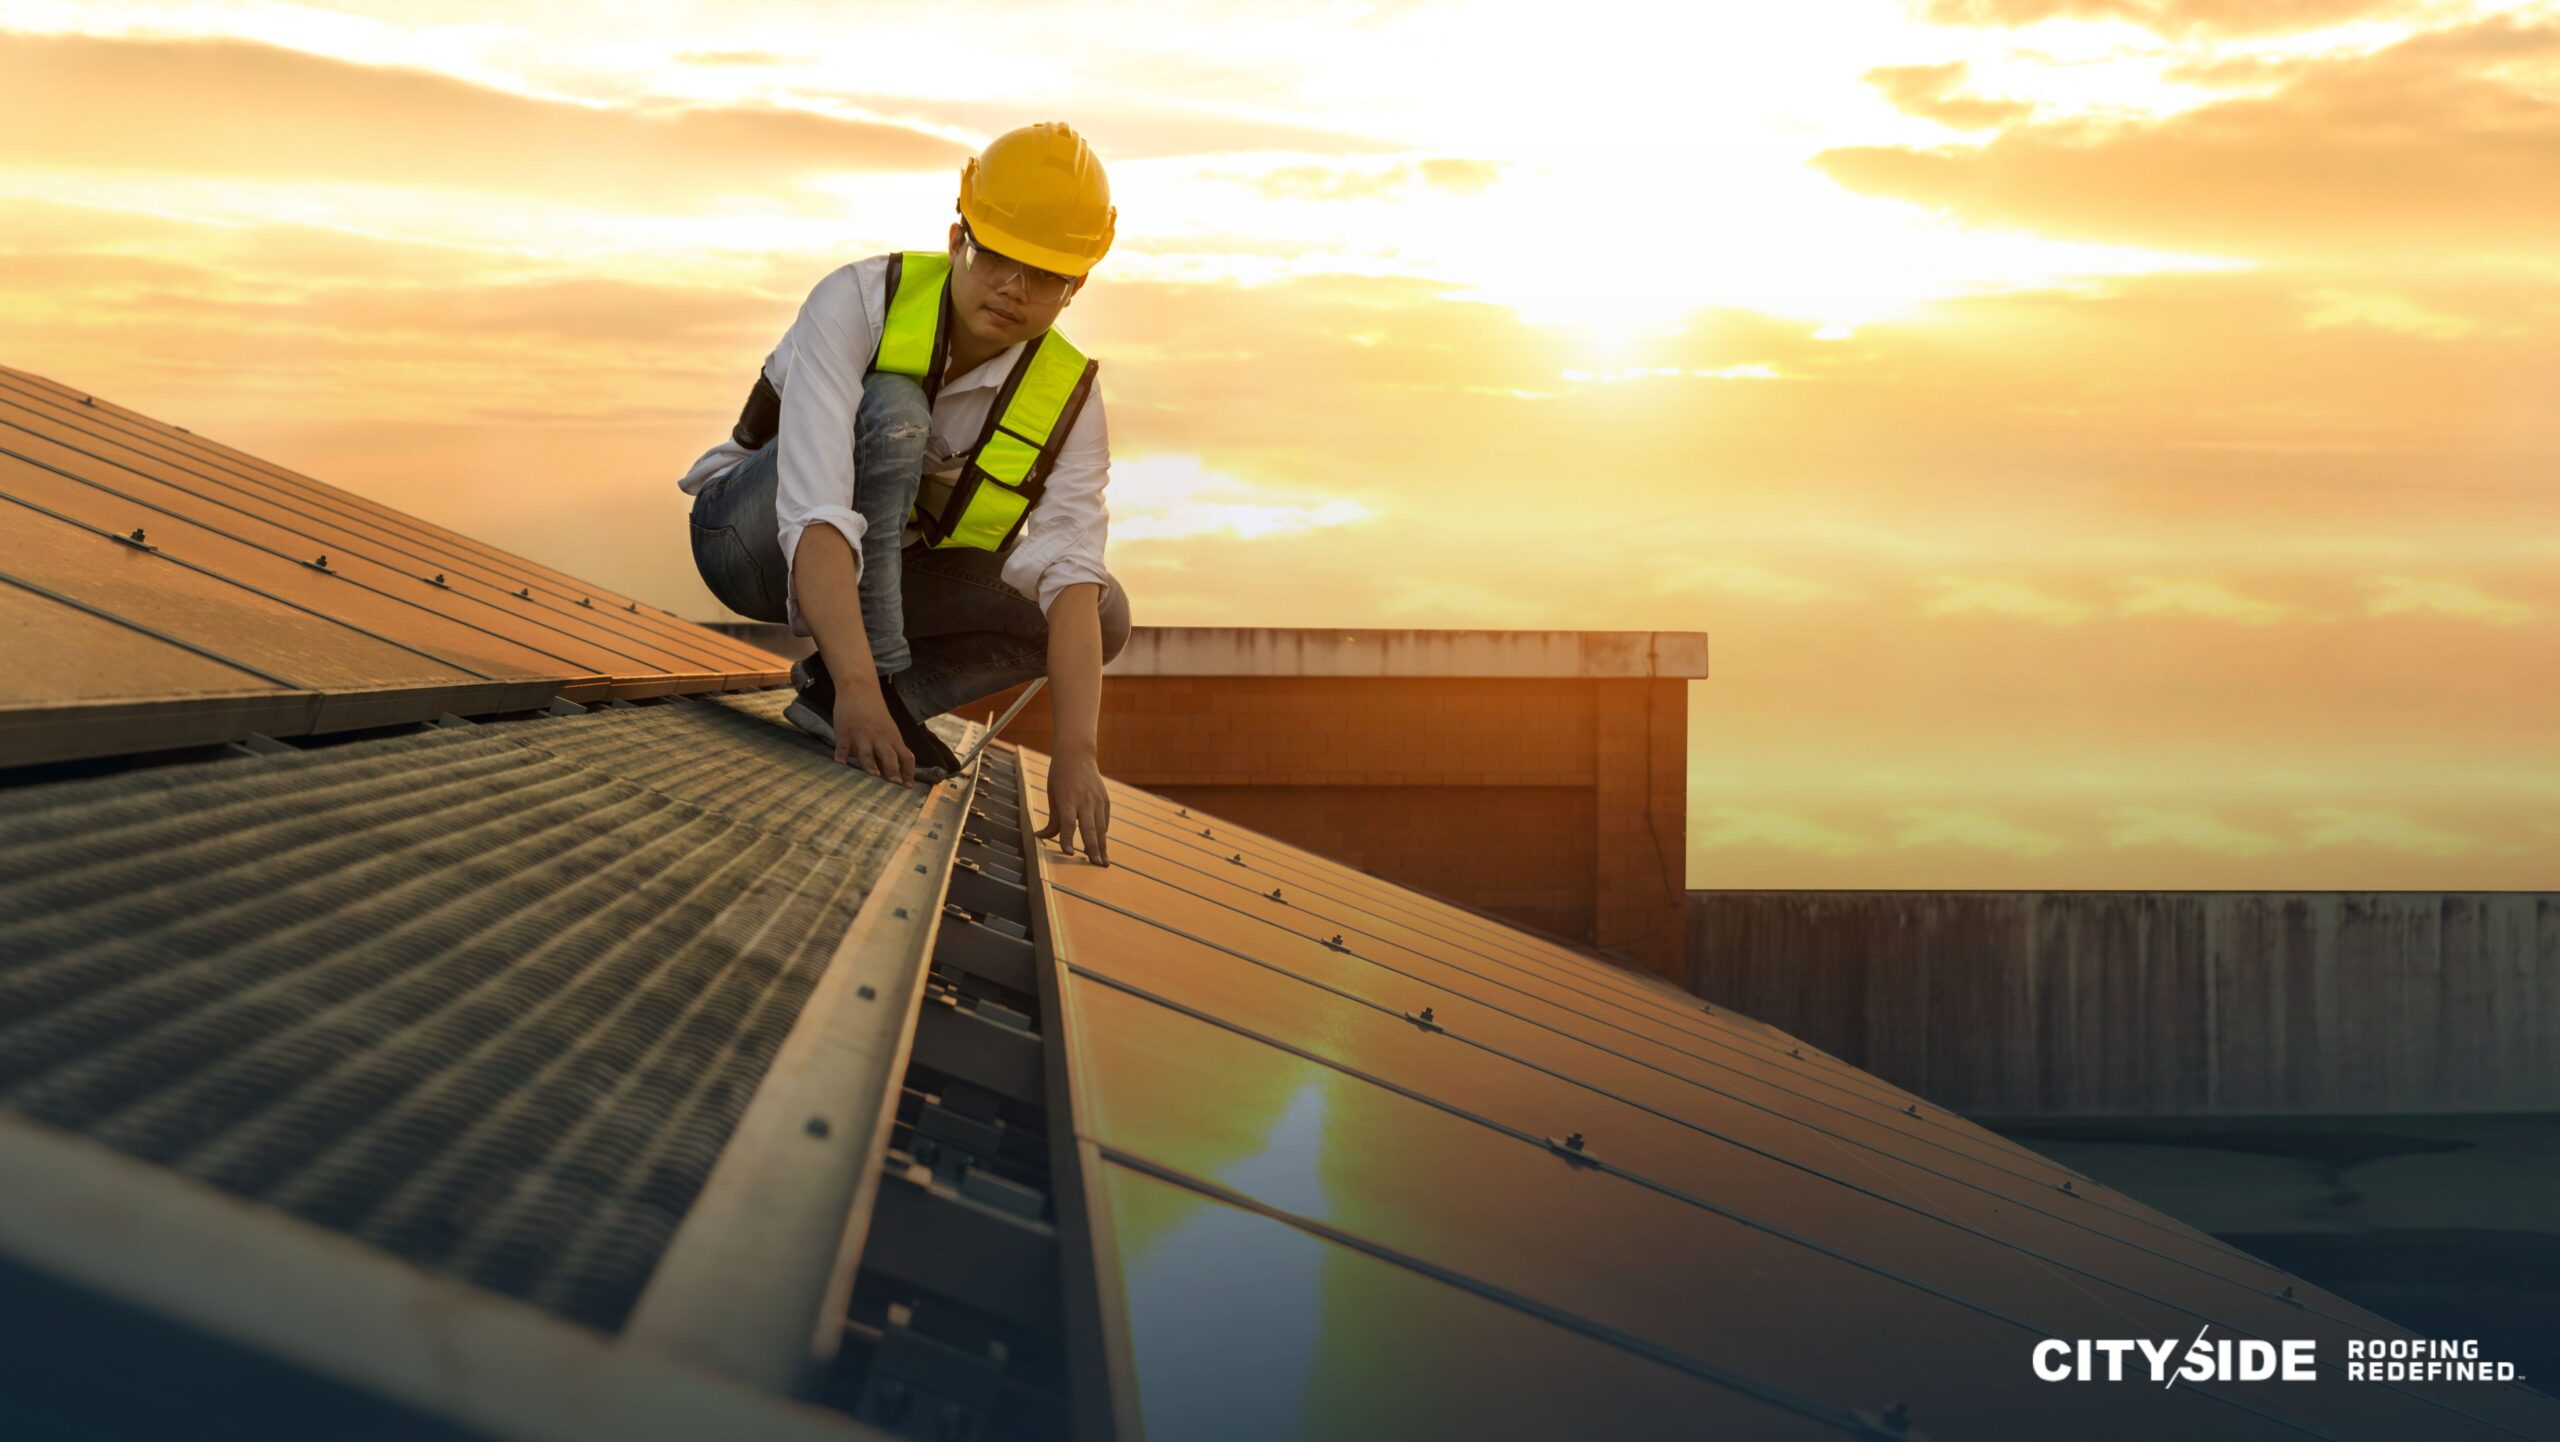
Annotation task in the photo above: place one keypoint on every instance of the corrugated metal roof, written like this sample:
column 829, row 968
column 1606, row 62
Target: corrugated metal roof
column 160, row 590
column 1297, row 1078
column 489, row 998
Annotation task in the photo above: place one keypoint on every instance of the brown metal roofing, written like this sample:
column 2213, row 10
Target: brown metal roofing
column 1377, row 1115
column 486, row 997
column 160, row 590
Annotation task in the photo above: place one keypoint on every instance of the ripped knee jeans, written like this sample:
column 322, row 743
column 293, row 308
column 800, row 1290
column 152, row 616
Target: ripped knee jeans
column 735, row 542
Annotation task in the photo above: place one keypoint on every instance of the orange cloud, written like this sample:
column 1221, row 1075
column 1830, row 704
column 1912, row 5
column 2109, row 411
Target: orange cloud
column 2448, row 139
column 236, row 109
column 1356, row 180
column 2168, row 17
column 1933, row 92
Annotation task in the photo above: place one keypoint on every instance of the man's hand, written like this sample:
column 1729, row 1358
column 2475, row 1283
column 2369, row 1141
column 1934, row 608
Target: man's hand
column 1079, row 804
column 866, row 736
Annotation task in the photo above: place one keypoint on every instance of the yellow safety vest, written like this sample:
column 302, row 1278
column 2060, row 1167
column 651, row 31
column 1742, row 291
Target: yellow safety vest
column 1003, row 471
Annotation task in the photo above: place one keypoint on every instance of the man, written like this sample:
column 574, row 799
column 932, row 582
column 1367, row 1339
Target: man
column 917, row 481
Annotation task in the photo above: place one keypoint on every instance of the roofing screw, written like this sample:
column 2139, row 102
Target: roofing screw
column 136, row 537
column 88, row 400
column 439, row 578
column 1182, row 811
column 586, row 600
column 634, row 606
column 1335, row 941
column 2287, row 1296
column 1276, row 896
column 1912, row 1110
column 1205, row 831
column 524, row 593
column 1238, row 858
column 2067, row 1187
column 1898, row 1417
column 1797, row 1052
column 817, row 1126
column 1574, row 1142
column 323, row 562
column 866, row 991
column 1426, row 1016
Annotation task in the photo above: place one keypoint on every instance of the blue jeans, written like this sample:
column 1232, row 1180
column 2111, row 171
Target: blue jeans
column 942, row 621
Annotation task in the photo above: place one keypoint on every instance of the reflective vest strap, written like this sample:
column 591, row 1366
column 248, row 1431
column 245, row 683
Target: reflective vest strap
column 1027, row 425
column 1040, row 397
column 911, row 339
column 1081, row 387
column 992, row 514
column 1007, row 457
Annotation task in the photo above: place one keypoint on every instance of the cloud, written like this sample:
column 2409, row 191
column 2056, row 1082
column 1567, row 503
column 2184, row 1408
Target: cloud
column 1745, row 371
column 1742, row 578
column 229, row 108
column 1923, row 826
column 2409, row 596
column 1932, row 93
column 2167, row 17
column 1168, row 497
column 1458, row 603
column 1372, row 180
column 2450, row 138
column 2337, row 309
column 2154, row 595
column 1460, row 177
column 2186, row 830
column 1716, row 828
column 2328, row 827
column 1957, row 595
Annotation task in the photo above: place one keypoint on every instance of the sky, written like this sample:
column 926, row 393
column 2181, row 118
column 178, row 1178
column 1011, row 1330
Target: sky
column 2107, row 443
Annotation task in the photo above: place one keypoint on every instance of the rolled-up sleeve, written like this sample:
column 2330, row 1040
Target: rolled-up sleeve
column 830, row 348
column 1062, row 541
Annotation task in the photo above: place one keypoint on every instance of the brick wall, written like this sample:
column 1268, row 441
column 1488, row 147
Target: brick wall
column 1558, row 803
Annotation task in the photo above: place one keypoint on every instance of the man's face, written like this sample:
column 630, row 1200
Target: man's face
column 997, row 300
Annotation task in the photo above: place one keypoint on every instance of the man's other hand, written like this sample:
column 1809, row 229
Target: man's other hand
column 868, row 737
column 1079, row 805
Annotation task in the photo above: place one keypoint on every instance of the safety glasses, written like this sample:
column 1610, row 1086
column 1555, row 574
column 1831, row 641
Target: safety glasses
column 1043, row 287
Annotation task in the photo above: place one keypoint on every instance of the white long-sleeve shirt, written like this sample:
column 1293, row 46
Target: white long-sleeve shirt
column 818, row 367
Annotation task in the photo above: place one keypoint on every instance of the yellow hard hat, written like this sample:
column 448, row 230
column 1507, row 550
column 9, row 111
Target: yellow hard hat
column 1038, row 195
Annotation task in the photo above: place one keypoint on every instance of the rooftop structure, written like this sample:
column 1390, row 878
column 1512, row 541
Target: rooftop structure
column 1536, row 776
column 632, row 1071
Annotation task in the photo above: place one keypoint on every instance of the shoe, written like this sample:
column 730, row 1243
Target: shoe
column 814, row 709
column 934, row 760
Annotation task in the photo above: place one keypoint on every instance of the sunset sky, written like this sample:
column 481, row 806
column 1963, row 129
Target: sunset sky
column 2109, row 443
